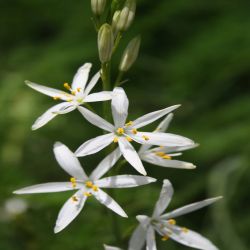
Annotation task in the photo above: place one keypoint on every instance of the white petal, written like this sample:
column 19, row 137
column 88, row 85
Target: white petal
column 106, row 247
column 50, row 187
column 157, row 160
column 151, row 244
column 137, row 239
column 124, row 181
column 119, row 106
column 153, row 116
column 191, row 239
column 49, row 91
column 106, row 164
column 131, row 155
column 81, row 77
column 69, row 211
column 178, row 148
column 162, row 139
column 164, row 199
column 94, row 145
column 96, row 119
column 190, row 208
column 66, row 110
column 68, row 161
column 163, row 126
column 50, row 114
column 92, row 83
column 98, row 97
column 106, row 200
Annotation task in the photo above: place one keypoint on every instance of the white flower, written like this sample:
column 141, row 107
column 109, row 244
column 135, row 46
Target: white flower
column 163, row 156
column 79, row 94
column 123, row 133
column 165, row 225
column 85, row 186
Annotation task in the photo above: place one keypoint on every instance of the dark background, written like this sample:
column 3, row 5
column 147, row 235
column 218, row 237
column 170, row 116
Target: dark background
column 193, row 52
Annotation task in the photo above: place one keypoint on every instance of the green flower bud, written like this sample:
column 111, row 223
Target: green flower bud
column 98, row 6
column 105, row 42
column 130, row 54
column 124, row 18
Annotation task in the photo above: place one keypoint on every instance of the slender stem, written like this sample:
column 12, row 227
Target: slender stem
column 119, row 78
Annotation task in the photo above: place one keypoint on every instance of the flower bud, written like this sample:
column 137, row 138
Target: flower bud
column 98, row 6
column 124, row 18
column 105, row 42
column 130, row 54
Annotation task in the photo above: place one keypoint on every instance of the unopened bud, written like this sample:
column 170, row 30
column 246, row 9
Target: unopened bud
column 105, row 42
column 124, row 18
column 130, row 54
column 98, row 6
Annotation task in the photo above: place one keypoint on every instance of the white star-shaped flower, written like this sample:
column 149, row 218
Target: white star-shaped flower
column 165, row 225
column 163, row 156
column 78, row 95
column 123, row 133
column 85, row 186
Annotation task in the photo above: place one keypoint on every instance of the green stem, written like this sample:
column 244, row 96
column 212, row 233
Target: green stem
column 119, row 78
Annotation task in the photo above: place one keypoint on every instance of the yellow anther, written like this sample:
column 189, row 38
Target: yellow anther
column 95, row 188
column 74, row 198
column 70, row 100
column 115, row 140
column 165, row 237
column 66, row 86
column 172, row 222
column 167, row 157
column 78, row 89
column 89, row 184
column 129, row 139
column 134, row 131
column 129, row 124
column 146, row 138
column 184, row 230
column 73, row 92
column 161, row 154
column 120, row 131
column 87, row 194
column 56, row 98
column 73, row 181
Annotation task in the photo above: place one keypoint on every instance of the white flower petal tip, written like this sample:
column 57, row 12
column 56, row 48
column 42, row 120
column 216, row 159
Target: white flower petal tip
column 107, row 247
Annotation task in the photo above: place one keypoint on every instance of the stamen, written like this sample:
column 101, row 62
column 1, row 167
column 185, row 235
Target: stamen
column 70, row 100
column 56, row 98
column 87, row 194
column 95, row 188
column 160, row 154
column 146, row 138
column 73, row 181
column 129, row 139
column 166, row 157
column 74, row 198
column 120, row 131
column 78, row 89
column 89, row 184
column 115, row 140
column 134, row 131
column 66, row 86
column 129, row 124
column 184, row 230
column 172, row 222
column 165, row 237
column 73, row 92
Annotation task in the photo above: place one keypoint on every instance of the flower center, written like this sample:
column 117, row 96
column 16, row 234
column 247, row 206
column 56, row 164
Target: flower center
column 120, row 131
column 89, row 184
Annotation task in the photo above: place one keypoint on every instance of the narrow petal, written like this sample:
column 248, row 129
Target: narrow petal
column 153, row 116
column 94, row 145
column 81, row 77
column 164, row 199
column 50, row 114
column 119, row 107
column 163, row 126
column 190, row 208
column 156, row 160
column 92, row 83
column 66, row 110
column 106, row 247
column 178, row 148
column 137, row 239
column 96, row 119
column 131, row 155
column 99, row 97
column 106, row 164
column 49, row 91
column 50, row 187
column 124, row 181
column 161, row 139
column 69, row 211
column 151, row 244
column 107, row 201
column 68, row 161
column 191, row 239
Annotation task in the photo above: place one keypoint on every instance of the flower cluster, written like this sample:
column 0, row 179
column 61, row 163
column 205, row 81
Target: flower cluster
column 157, row 147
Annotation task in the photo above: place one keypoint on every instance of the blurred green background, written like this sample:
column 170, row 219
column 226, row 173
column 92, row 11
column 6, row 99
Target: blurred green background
column 196, row 53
